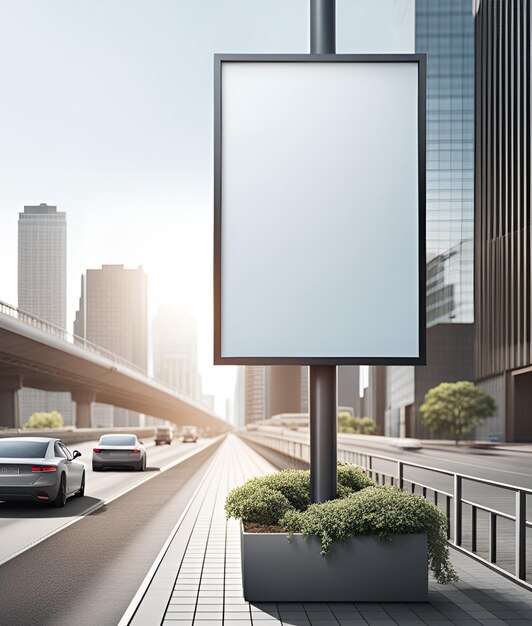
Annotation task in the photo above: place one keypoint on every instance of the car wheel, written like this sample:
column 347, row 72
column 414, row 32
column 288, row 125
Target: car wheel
column 60, row 499
column 143, row 466
column 81, row 492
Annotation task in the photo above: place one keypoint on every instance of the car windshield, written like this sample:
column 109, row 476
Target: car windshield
column 22, row 449
column 118, row 440
column 163, row 430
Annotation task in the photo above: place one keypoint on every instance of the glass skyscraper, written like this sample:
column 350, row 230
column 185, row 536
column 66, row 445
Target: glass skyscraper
column 445, row 31
column 42, row 244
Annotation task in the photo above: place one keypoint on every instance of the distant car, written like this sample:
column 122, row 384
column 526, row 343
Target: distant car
column 163, row 434
column 41, row 469
column 407, row 444
column 189, row 434
column 119, row 452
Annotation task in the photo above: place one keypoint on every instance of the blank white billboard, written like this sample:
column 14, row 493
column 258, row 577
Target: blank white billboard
column 319, row 210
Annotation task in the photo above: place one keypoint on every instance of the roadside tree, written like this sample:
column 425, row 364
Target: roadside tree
column 357, row 425
column 53, row 419
column 455, row 409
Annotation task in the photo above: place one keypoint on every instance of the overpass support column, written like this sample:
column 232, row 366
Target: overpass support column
column 83, row 400
column 9, row 411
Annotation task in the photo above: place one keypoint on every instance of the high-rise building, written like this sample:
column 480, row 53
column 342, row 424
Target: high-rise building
column 287, row 389
column 42, row 263
column 255, row 389
column 175, row 351
column 503, row 281
column 239, row 398
column 113, row 313
column 207, row 399
column 42, row 290
column 349, row 389
column 445, row 32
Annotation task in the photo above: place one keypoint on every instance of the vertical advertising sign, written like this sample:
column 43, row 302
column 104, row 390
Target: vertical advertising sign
column 319, row 209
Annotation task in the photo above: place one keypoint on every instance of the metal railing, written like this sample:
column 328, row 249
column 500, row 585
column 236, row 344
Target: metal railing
column 61, row 333
column 451, row 499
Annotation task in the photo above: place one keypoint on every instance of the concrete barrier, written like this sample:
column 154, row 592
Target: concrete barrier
column 70, row 435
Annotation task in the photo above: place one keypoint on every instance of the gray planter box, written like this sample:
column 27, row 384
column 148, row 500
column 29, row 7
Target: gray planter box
column 365, row 569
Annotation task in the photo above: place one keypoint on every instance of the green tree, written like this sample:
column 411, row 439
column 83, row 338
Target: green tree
column 346, row 422
column 456, row 408
column 357, row 425
column 53, row 419
column 367, row 426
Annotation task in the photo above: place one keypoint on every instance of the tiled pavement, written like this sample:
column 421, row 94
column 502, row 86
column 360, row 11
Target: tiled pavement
column 199, row 581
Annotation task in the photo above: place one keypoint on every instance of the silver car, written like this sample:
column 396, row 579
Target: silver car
column 119, row 452
column 41, row 469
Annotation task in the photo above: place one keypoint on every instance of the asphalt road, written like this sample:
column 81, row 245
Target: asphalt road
column 493, row 464
column 88, row 572
column 24, row 524
column 502, row 466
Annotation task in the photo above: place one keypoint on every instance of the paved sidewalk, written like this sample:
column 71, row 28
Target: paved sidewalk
column 198, row 581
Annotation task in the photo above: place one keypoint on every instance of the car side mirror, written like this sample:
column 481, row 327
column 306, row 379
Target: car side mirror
column 76, row 453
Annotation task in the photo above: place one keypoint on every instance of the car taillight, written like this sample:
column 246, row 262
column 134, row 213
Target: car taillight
column 135, row 451
column 96, row 449
column 44, row 468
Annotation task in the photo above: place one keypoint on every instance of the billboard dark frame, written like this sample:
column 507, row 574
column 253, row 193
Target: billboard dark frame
column 219, row 60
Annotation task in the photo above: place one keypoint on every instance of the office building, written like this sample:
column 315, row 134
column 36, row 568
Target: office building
column 42, row 266
column 256, row 393
column 349, row 396
column 175, row 351
column 113, row 313
column 503, row 359
column 207, row 399
column 445, row 32
column 239, row 398
column 371, row 392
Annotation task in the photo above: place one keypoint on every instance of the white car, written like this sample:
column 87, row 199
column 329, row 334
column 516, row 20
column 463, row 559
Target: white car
column 189, row 434
column 119, row 452
column 407, row 444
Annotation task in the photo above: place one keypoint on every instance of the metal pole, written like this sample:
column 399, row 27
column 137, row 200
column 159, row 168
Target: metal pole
column 322, row 380
column 520, row 535
column 322, row 400
column 322, row 26
column 457, row 512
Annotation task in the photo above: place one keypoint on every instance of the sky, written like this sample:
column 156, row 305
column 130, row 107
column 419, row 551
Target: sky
column 106, row 112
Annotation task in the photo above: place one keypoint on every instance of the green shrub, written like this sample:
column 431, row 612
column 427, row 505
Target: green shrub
column 343, row 491
column 367, row 426
column 53, row 419
column 293, row 484
column 347, row 423
column 256, row 503
column 379, row 511
column 353, row 478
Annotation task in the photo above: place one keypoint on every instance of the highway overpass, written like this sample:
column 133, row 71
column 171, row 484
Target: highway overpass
column 34, row 353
